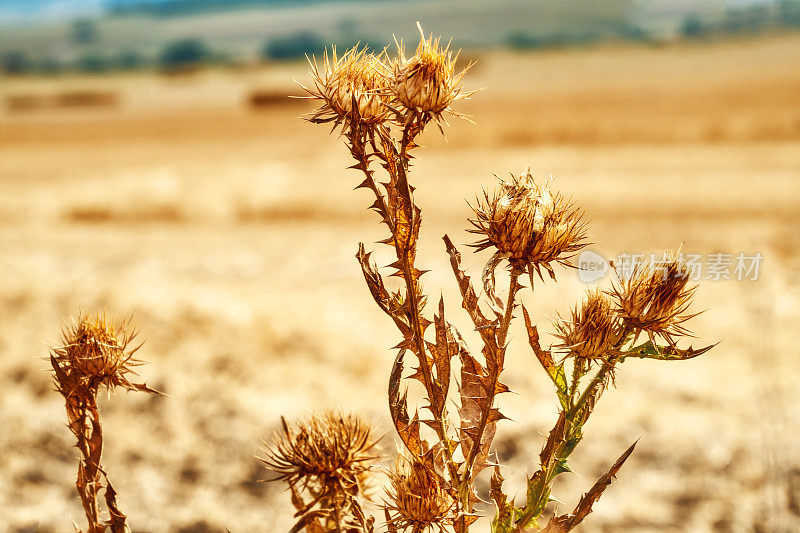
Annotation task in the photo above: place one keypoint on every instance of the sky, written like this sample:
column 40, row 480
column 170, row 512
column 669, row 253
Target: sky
column 46, row 10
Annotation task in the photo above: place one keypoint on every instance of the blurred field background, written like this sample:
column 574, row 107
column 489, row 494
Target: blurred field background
column 151, row 161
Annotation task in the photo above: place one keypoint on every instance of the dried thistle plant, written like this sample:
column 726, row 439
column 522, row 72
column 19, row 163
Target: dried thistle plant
column 418, row 498
column 325, row 460
column 655, row 298
column 529, row 228
column 95, row 352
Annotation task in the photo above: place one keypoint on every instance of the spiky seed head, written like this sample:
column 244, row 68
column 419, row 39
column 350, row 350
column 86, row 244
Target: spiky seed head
column 352, row 88
column 331, row 451
column 593, row 330
column 528, row 223
column 656, row 297
column 418, row 498
column 95, row 350
column 427, row 82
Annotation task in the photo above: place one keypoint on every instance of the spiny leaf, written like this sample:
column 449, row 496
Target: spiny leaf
column 650, row 350
column 398, row 409
column 374, row 281
column 504, row 515
column 561, row 467
column 489, row 282
column 555, row 371
column 585, row 504
column 469, row 297
column 470, row 410
column 538, row 494
column 555, row 437
column 443, row 352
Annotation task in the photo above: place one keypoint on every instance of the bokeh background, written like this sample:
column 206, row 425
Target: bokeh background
column 152, row 162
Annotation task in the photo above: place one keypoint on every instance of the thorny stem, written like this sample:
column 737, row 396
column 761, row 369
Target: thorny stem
column 358, row 151
column 405, row 254
column 605, row 370
column 512, row 292
column 590, row 390
column 574, row 424
column 412, row 292
column 495, row 377
column 89, row 470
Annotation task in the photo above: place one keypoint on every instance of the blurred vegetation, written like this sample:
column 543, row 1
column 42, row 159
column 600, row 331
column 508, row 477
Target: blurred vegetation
column 16, row 62
column 93, row 62
column 84, row 31
column 293, row 46
column 694, row 27
column 49, row 65
column 789, row 13
column 523, row 40
column 184, row 53
column 176, row 8
column 129, row 60
column 308, row 43
column 746, row 20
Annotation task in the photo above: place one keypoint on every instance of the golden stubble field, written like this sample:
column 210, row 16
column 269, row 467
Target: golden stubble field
column 231, row 231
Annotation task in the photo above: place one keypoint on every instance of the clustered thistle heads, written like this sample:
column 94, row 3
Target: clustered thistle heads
column 328, row 458
column 593, row 331
column 352, row 89
column 363, row 91
column 528, row 224
column 656, row 297
column 529, row 228
column 95, row 351
column 427, row 83
column 418, row 500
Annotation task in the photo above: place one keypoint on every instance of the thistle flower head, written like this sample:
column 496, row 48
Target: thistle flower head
column 655, row 298
column 418, row 498
column 352, row 88
column 593, row 330
column 427, row 82
column 95, row 351
column 331, row 451
column 528, row 223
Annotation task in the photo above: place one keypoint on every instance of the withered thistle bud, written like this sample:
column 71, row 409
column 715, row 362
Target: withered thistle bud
column 528, row 224
column 427, row 82
column 593, row 330
column 418, row 498
column 331, row 451
column 655, row 298
column 95, row 351
column 352, row 88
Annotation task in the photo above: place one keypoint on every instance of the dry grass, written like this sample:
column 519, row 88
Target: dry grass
column 224, row 305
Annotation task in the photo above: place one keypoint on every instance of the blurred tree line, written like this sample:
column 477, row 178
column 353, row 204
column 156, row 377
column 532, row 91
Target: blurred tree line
column 744, row 20
column 188, row 53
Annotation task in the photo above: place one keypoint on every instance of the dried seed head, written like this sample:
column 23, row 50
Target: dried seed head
column 331, row 451
column 655, row 298
column 352, row 88
column 417, row 497
column 95, row 351
column 528, row 223
column 427, row 82
column 593, row 331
